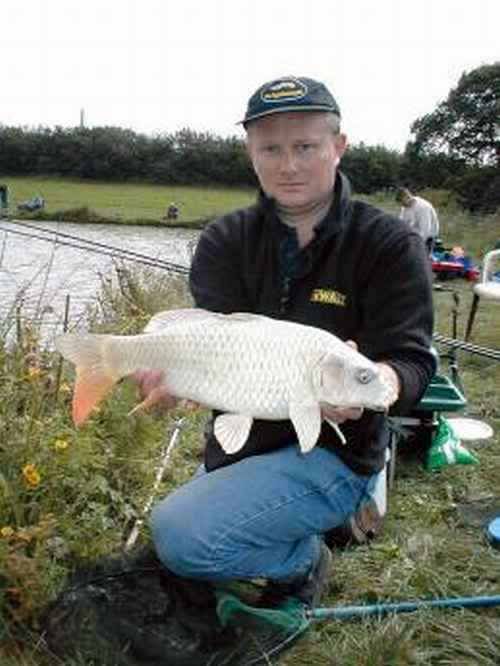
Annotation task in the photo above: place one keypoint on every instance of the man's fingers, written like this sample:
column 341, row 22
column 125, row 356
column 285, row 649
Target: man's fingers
column 148, row 381
column 340, row 414
column 157, row 397
column 391, row 380
column 189, row 405
column 153, row 391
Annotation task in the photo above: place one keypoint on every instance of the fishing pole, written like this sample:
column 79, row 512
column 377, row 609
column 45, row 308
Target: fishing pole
column 487, row 352
column 105, row 246
column 160, row 470
column 349, row 612
column 156, row 263
column 105, row 250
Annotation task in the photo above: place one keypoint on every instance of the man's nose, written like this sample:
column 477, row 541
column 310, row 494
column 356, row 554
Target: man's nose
column 288, row 162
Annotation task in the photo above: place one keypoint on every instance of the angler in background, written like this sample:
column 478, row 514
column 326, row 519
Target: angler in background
column 309, row 253
column 421, row 215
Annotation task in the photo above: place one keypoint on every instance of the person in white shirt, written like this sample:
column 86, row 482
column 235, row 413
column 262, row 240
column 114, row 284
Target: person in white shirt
column 420, row 215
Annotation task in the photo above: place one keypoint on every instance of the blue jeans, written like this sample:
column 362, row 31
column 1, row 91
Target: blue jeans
column 261, row 517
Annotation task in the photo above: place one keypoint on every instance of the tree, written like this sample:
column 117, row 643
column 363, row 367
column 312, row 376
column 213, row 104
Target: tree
column 371, row 168
column 466, row 125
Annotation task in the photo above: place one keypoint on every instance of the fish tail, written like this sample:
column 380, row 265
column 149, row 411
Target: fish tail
column 94, row 376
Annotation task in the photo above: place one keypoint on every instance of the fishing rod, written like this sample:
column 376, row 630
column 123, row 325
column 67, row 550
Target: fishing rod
column 103, row 249
column 486, row 352
column 105, row 246
column 132, row 538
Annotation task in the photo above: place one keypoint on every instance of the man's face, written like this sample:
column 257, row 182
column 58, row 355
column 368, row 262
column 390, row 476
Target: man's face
column 406, row 199
column 295, row 156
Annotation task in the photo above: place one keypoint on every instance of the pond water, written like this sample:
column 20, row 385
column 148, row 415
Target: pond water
column 51, row 260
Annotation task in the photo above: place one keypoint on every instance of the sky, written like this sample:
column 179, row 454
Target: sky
column 157, row 66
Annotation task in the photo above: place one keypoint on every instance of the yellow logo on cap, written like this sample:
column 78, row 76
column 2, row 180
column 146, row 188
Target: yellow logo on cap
column 328, row 297
column 283, row 90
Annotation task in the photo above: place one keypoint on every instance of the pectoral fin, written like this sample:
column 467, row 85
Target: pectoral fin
column 306, row 419
column 232, row 430
column 337, row 429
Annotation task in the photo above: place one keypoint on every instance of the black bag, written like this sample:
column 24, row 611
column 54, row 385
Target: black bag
column 131, row 611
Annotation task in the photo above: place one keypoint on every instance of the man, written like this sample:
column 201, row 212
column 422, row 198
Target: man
column 308, row 253
column 420, row 215
column 172, row 211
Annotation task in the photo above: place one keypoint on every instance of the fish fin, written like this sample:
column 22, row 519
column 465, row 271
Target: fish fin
column 83, row 350
column 90, row 388
column 306, row 419
column 94, row 377
column 232, row 430
column 165, row 318
column 337, row 429
column 246, row 317
column 161, row 320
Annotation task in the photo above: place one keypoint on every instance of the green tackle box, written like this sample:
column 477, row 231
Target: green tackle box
column 442, row 396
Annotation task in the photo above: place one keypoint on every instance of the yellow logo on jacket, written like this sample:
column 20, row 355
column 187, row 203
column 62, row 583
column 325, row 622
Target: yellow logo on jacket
column 328, row 297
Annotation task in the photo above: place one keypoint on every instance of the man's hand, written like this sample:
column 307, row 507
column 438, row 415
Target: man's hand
column 154, row 392
column 391, row 379
column 341, row 414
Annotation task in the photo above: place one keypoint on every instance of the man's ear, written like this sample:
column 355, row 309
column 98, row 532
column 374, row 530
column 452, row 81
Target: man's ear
column 250, row 153
column 341, row 144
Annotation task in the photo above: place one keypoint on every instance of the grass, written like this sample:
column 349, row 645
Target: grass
column 123, row 203
column 87, row 201
column 68, row 494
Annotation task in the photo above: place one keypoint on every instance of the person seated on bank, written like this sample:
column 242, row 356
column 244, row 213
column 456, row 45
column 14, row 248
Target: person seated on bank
column 420, row 214
column 307, row 252
column 172, row 212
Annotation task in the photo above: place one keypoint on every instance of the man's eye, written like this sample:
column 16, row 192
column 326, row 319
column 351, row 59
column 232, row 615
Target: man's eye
column 305, row 147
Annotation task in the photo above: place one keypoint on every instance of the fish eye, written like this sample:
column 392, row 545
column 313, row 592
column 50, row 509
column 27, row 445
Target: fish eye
column 364, row 375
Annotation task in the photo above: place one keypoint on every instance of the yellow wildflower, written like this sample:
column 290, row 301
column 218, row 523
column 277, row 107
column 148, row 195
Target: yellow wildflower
column 61, row 444
column 6, row 531
column 31, row 476
column 65, row 387
column 34, row 372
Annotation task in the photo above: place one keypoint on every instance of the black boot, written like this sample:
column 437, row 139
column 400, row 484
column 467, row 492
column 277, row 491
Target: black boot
column 308, row 589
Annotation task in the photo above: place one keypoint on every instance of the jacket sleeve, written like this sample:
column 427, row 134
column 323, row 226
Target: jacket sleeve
column 398, row 316
column 215, row 275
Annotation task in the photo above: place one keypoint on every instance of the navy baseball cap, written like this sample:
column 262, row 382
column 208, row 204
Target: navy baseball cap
column 289, row 93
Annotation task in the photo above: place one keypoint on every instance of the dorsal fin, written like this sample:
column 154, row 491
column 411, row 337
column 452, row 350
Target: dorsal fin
column 160, row 320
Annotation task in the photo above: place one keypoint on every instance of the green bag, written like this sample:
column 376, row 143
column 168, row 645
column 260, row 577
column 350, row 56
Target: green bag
column 446, row 449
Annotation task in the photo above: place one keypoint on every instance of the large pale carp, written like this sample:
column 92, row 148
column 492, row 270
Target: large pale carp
column 246, row 365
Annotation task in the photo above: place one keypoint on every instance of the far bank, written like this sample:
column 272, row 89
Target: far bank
column 122, row 203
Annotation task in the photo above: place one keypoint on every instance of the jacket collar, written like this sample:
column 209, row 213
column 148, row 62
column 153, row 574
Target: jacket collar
column 336, row 218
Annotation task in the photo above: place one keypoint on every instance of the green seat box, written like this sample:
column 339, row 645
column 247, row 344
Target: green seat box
column 442, row 396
